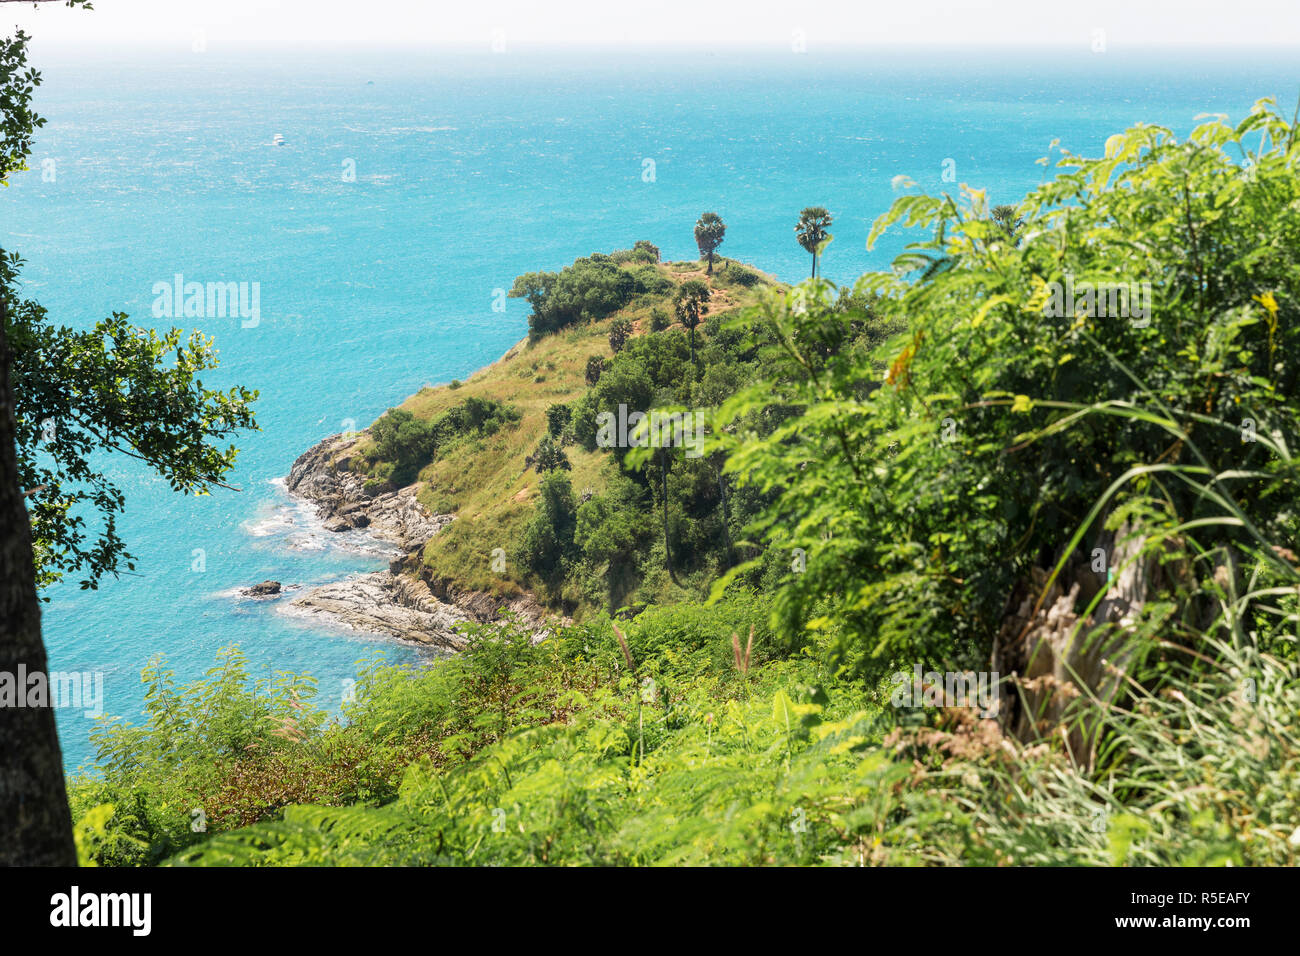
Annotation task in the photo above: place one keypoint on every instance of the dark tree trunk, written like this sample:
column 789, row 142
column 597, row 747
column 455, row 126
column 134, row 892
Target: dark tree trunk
column 710, row 263
column 668, row 551
column 726, row 516
column 814, row 269
column 35, row 824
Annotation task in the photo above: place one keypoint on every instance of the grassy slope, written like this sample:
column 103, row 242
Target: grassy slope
column 487, row 483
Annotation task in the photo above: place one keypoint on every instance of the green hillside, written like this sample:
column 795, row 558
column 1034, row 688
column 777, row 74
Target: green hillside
column 487, row 480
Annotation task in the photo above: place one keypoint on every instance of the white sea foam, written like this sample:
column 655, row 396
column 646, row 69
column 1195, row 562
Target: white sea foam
column 293, row 523
column 264, row 526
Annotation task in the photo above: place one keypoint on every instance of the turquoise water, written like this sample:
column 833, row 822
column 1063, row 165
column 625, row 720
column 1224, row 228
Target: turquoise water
column 468, row 171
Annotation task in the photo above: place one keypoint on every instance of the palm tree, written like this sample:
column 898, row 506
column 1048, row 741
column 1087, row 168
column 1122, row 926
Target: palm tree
column 691, row 299
column 812, row 232
column 1008, row 217
column 709, row 232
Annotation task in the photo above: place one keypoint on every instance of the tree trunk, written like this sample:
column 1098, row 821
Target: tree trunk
column 668, row 551
column 1052, row 657
column 710, row 263
column 726, row 517
column 35, row 824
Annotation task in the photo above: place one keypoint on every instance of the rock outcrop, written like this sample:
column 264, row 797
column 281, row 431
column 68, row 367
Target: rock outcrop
column 482, row 607
column 348, row 500
column 402, row 602
column 386, row 603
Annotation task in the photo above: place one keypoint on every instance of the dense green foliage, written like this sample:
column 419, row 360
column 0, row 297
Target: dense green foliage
column 591, row 288
column 642, row 251
column 735, row 274
column 606, row 558
column 406, row 443
column 562, row 753
column 611, row 564
column 557, row 420
column 548, row 542
column 591, row 761
column 1004, row 438
column 549, row 456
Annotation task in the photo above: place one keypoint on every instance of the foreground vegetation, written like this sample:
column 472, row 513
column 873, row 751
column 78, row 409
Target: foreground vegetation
column 562, row 753
column 956, row 465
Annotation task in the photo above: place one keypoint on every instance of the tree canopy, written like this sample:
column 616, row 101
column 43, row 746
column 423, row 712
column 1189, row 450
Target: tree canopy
column 709, row 233
column 592, row 288
column 813, row 232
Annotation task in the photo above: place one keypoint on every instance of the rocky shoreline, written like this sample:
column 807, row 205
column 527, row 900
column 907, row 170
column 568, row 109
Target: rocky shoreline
column 402, row 602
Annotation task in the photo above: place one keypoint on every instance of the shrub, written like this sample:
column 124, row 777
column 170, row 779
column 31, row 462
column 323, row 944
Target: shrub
column 651, row 283
column 610, row 535
column 547, row 542
column 592, row 288
column 549, row 456
column 558, row 417
column 647, row 249
column 738, row 275
column 619, row 332
column 407, row 444
column 642, row 251
column 483, row 416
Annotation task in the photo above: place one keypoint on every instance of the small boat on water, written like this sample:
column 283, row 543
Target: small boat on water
column 278, row 139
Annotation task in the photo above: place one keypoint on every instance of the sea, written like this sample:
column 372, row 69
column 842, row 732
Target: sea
column 380, row 201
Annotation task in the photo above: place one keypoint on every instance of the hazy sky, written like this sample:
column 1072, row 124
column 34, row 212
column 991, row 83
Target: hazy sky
column 523, row 23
